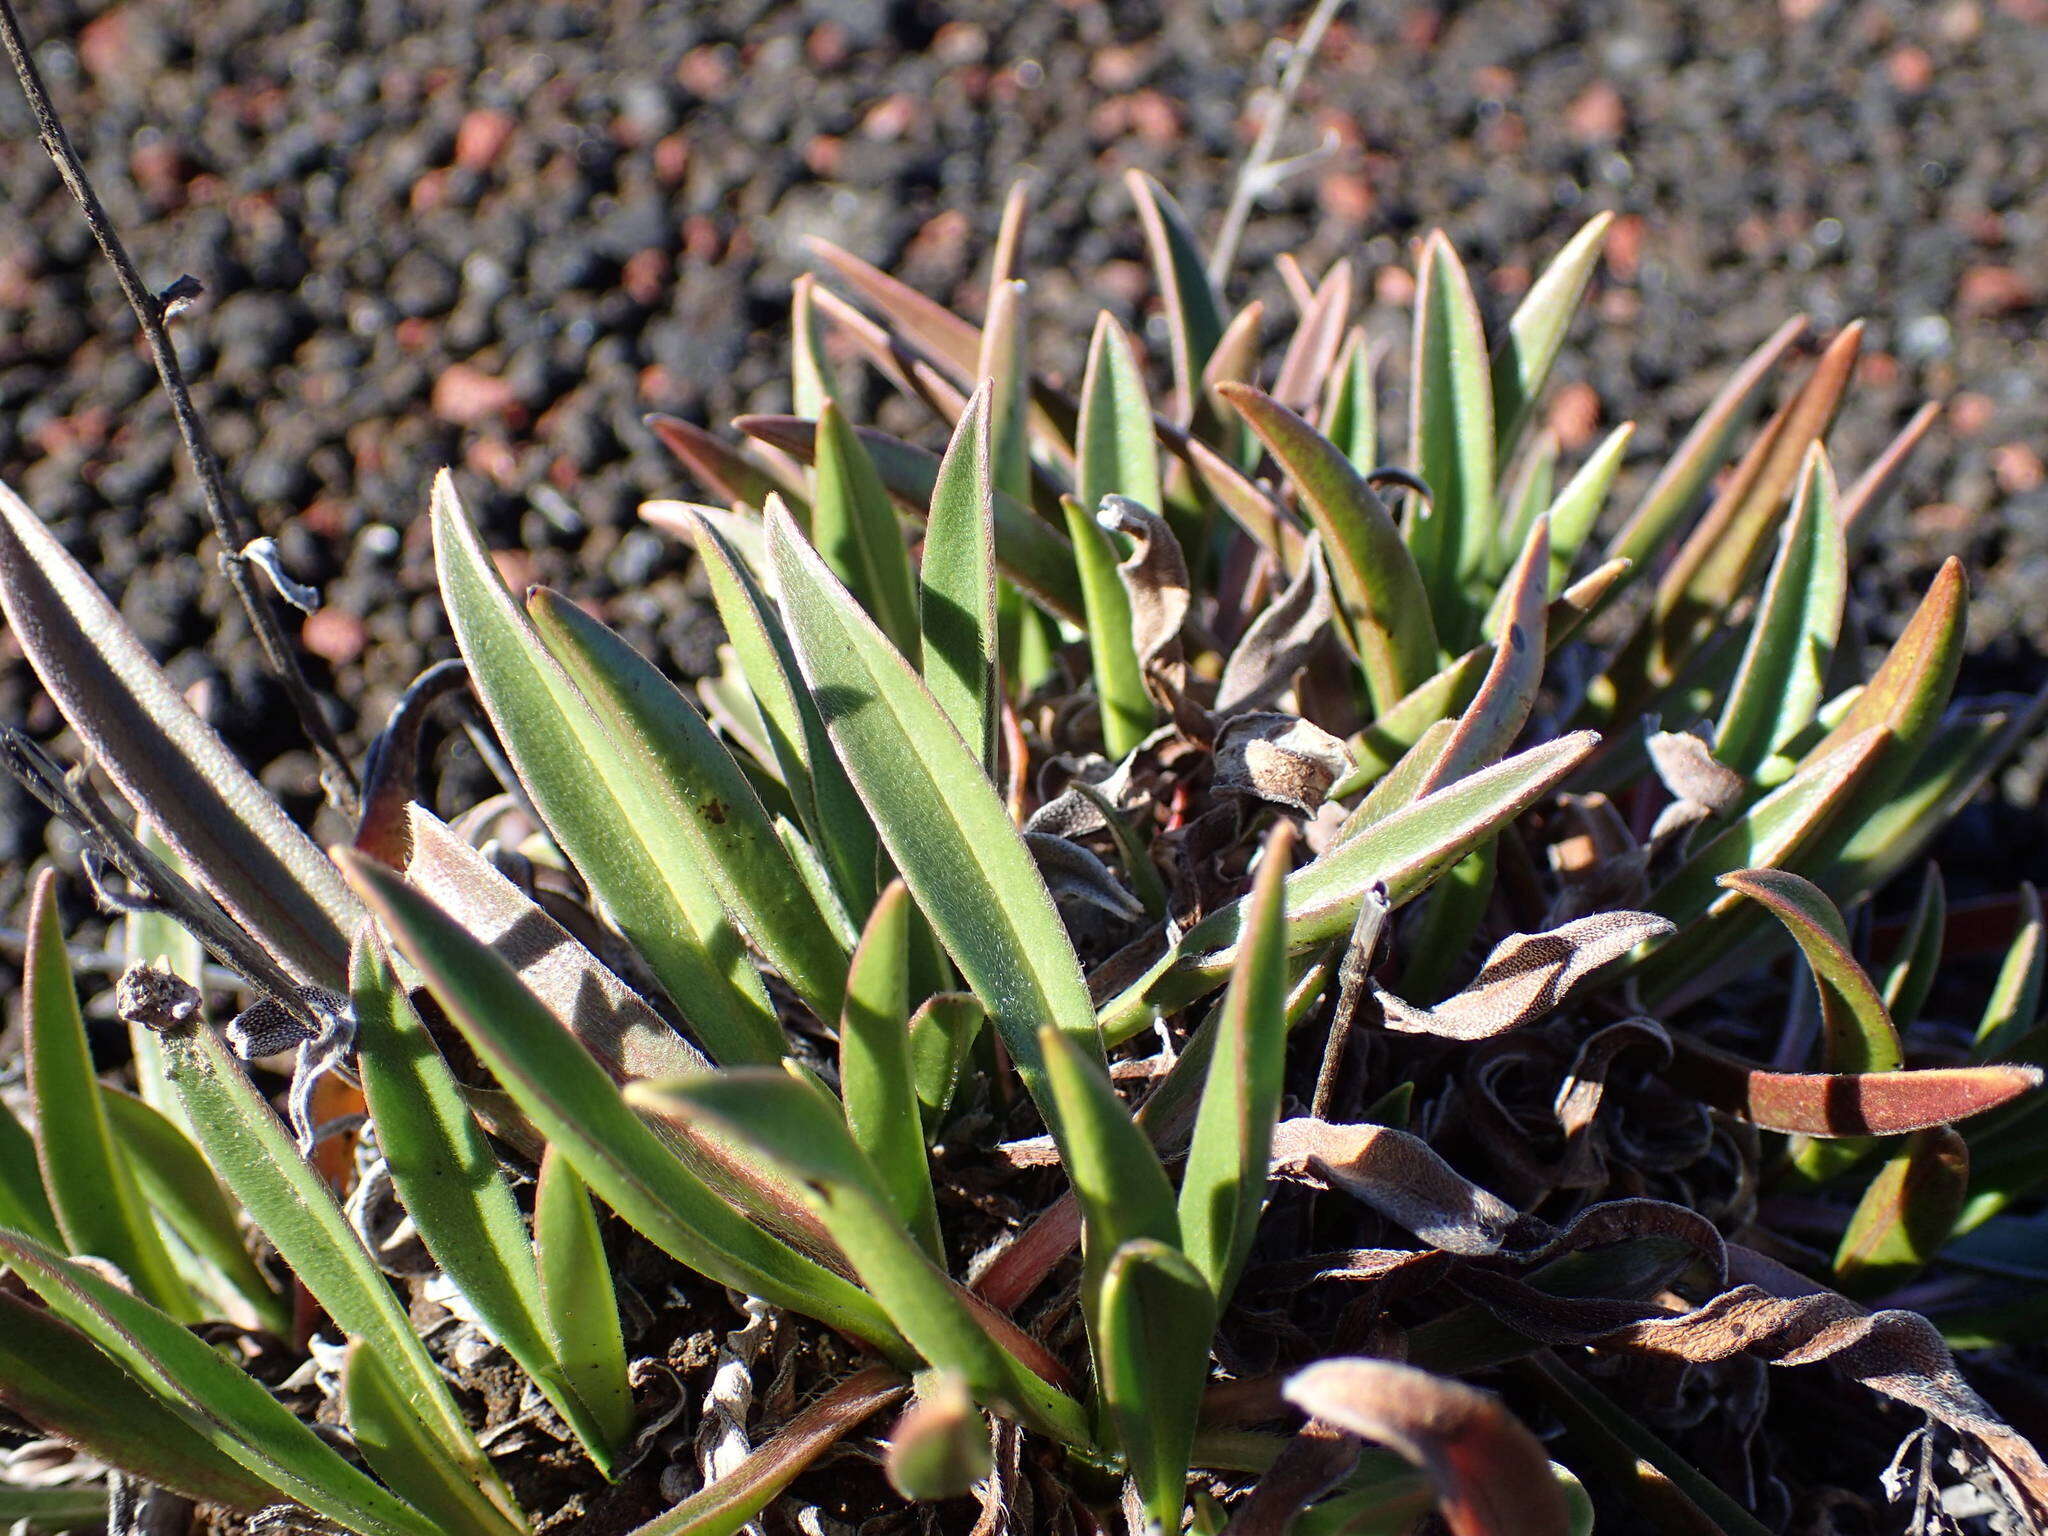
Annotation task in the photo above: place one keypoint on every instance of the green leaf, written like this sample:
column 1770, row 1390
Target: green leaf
column 168, row 762
column 830, row 810
column 1127, row 711
column 1507, row 693
column 1858, row 1035
column 942, row 1032
column 1905, row 1215
column 957, row 605
column 732, row 1500
column 150, row 935
column 1523, row 360
column 854, row 524
column 877, row 1080
column 793, row 1123
column 1119, row 452
column 1116, row 1175
column 92, row 1190
column 1001, row 366
column 1579, row 504
column 53, row 1376
column 398, row 1448
column 448, row 1178
column 1528, row 489
column 610, row 817
column 567, row 1094
column 713, row 815
column 24, row 1205
column 1918, row 958
column 1155, row 1316
column 1405, row 851
column 578, row 1303
column 936, row 811
column 1224, row 1185
column 1783, row 675
column 291, row 1205
column 231, row 1412
column 1705, row 449
column 1350, row 414
column 1379, row 588
column 1029, row 550
column 811, row 373
column 1194, row 314
column 2015, row 1003
column 939, row 1448
column 1451, row 439
column 174, row 1178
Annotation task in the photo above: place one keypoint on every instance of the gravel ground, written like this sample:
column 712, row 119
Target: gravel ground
column 496, row 234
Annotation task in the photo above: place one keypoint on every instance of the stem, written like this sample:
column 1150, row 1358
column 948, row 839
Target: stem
column 1271, row 121
column 231, row 520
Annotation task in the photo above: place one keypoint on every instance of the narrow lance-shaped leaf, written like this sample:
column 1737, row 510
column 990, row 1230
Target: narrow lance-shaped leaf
column 1224, row 1185
column 876, row 1077
column 810, row 372
column 1119, row 452
column 957, row 598
column 609, row 814
column 168, row 762
column 399, row 1450
column 1906, row 1213
column 448, row 1178
column 936, row 811
column 1697, row 459
column 942, row 1032
column 24, row 1204
column 577, row 1301
column 1153, row 1321
column 1579, row 504
column 1002, row 367
column 229, row 1409
column 718, row 821
column 1857, row 1029
column 91, row 1188
column 1029, row 551
column 1525, row 493
column 1912, row 973
column 1194, row 316
column 1535, row 334
column 1117, row 1176
column 793, row 1123
column 1350, row 413
column 1451, row 439
column 831, row 811
column 174, row 1178
column 2015, row 1003
column 1378, row 586
column 577, row 1107
column 1405, row 851
column 55, row 1378
column 257, row 1158
column 854, row 524
column 1837, row 1104
column 1784, row 669
column 1126, row 707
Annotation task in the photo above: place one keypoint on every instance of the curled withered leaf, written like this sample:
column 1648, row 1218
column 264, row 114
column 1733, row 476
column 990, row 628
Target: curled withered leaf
column 1279, row 758
column 1578, row 1100
column 1308, row 1466
column 1404, row 1179
column 1833, row 1104
column 1070, row 870
column 1156, row 577
column 1490, row 1473
column 1689, row 770
column 1070, row 813
column 1788, row 1320
column 1278, row 642
column 1527, row 976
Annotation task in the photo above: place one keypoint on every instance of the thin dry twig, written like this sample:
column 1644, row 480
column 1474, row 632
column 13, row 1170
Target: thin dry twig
column 231, row 520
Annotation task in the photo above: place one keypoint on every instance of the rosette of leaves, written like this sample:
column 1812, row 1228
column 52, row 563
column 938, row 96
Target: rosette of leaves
column 1191, row 975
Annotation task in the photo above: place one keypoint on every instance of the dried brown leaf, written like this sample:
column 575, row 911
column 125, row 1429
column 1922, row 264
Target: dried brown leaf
column 1527, row 976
